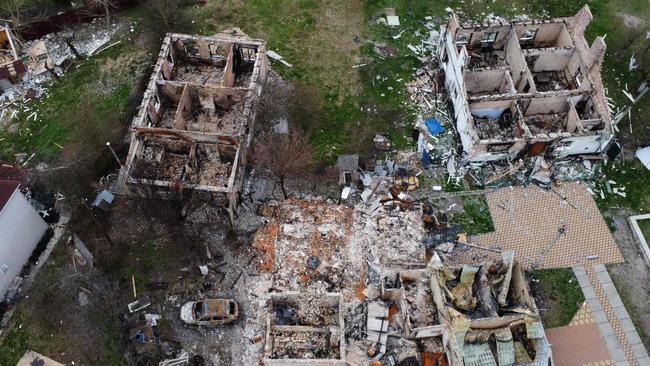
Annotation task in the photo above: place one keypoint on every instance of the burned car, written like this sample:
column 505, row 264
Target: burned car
column 210, row 312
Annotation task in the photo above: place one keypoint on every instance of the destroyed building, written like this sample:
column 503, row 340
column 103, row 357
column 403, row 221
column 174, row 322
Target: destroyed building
column 11, row 66
column 195, row 123
column 490, row 314
column 304, row 331
column 526, row 88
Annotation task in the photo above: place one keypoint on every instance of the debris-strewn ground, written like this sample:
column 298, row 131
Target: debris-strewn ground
column 353, row 75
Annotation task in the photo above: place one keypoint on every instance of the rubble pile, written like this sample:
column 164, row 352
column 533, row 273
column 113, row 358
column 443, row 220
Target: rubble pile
column 491, row 311
column 53, row 53
column 392, row 236
column 310, row 245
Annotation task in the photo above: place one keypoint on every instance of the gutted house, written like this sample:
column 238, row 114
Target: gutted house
column 527, row 88
column 302, row 330
column 191, row 134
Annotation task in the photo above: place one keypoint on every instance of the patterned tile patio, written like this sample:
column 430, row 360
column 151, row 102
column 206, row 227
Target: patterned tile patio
column 556, row 228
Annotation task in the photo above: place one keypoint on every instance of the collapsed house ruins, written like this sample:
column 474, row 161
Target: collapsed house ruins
column 490, row 314
column 195, row 123
column 362, row 287
column 300, row 331
column 527, row 88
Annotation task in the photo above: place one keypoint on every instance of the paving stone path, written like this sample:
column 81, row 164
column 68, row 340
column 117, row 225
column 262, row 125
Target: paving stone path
column 607, row 309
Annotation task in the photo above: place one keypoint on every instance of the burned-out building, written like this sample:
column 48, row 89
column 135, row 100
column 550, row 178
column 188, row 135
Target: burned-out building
column 489, row 313
column 303, row 331
column 11, row 66
column 526, row 88
column 191, row 134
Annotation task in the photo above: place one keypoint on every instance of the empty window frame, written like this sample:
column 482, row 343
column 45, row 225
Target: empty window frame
column 528, row 35
column 463, row 38
column 489, row 37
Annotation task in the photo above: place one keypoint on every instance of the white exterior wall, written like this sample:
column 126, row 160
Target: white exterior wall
column 21, row 228
column 583, row 145
column 455, row 83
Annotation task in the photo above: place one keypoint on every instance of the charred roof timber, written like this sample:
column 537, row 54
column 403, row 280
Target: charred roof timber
column 194, row 124
column 524, row 87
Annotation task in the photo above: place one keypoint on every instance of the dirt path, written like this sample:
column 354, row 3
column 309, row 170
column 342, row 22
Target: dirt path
column 632, row 278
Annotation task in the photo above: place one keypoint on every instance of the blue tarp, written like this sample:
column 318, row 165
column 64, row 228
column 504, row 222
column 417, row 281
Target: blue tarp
column 434, row 126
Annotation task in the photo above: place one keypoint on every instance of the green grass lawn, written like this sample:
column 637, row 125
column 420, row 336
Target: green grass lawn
column 632, row 175
column 558, row 294
column 52, row 322
column 476, row 218
column 644, row 225
column 90, row 102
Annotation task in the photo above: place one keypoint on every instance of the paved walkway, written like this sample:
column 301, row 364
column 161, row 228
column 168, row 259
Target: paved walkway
column 607, row 309
column 558, row 228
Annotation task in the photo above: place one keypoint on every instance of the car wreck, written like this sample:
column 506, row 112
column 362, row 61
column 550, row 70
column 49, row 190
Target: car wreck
column 210, row 312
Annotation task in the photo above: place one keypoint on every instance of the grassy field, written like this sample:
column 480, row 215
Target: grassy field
column 632, row 175
column 476, row 218
column 644, row 225
column 345, row 106
column 53, row 323
column 558, row 293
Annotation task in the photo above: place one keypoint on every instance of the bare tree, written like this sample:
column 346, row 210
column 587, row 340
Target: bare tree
column 13, row 8
column 164, row 11
column 283, row 156
column 106, row 5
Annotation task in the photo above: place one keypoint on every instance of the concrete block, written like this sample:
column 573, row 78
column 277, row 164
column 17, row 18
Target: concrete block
column 639, row 351
column 583, row 280
column 600, row 317
column 589, row 292
column 618, row 355
column 594, row 304
column 621, row 313
column 627, row 325
column 603, row 277
column 612, row 342
column 606, row 329
column 643, row 361
column 600, row 268
column 610, row 290
column 579, row 270
column 615, row 301
column 633, row 337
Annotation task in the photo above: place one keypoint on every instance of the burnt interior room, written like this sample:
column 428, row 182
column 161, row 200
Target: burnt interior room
column 165, row 158
column 162, row 106
column 484, row 82
column 548, row 115
column 212, row 111
column 545, row 35
column 497, row 120
column 486, row 48
column 550, row 71
column 211, row 62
